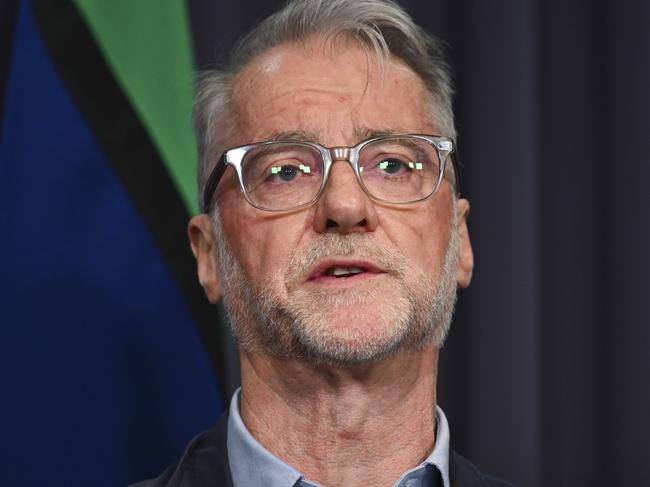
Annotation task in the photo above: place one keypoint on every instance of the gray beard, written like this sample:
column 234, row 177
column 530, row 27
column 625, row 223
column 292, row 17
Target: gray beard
column 418, row 314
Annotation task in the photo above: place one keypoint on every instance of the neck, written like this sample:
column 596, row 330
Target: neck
column 343, row 426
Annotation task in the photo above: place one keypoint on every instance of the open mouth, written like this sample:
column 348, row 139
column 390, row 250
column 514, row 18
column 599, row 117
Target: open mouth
column 343, row 272
column 331, row 271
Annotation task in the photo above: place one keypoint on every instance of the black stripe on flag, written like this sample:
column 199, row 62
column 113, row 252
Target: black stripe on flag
column 133, row 157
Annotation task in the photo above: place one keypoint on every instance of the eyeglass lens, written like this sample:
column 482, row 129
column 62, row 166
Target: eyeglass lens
column 282, row 176
column 399, row 170
column 285, row 175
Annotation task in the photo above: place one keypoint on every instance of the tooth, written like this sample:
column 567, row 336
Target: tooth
column 342, row 271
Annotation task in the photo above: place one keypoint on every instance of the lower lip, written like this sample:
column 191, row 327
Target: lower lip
column 343, row 281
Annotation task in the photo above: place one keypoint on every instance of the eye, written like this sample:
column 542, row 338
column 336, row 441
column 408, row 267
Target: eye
column 288, row 172
column 391, row 165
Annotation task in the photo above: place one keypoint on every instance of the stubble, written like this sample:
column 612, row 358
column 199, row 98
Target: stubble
column 343, row 328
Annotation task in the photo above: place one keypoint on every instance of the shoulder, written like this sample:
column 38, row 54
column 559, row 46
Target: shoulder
column 204, row 462
column 463, row 473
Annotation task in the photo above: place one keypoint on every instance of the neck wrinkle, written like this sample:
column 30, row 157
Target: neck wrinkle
column 343, row 426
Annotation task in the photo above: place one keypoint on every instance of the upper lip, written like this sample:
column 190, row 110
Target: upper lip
column 321, row 267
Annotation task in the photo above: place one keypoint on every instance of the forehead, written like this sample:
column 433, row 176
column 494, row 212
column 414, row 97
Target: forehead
column 335, row 91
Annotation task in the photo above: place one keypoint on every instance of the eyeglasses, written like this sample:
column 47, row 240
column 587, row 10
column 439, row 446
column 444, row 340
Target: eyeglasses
column 282, row 175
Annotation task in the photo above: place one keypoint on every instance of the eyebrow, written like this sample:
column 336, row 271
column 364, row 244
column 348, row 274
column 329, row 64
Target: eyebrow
column 364, row 133
column 360, row 133
column 300, row 134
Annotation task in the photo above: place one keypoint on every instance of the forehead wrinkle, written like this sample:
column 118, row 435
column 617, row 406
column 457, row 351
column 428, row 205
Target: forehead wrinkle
column 253, row 107
column 302, row 93
column 302, row 135
column 247, row 105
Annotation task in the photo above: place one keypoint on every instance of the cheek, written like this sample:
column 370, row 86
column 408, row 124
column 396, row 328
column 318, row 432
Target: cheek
column 421, row 235
column 263, row 243
column 240, row 229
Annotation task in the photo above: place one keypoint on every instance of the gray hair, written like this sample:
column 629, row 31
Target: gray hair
column 378, row 25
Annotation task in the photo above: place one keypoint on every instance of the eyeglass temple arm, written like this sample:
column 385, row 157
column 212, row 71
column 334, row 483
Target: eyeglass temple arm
column 211, row 184
column 456, row 164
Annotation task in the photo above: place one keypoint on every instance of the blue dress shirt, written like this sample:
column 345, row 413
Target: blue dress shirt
column 251, row 464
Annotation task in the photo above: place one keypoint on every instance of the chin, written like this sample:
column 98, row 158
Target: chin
column 354, row 336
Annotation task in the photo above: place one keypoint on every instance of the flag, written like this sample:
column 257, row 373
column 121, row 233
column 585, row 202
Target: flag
column 111, row 357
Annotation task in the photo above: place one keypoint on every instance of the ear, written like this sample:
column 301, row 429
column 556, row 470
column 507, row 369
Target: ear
column 200, row 232
column 465, row 253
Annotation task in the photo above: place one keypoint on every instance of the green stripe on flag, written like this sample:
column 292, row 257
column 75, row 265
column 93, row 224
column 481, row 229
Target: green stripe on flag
column 148, row 47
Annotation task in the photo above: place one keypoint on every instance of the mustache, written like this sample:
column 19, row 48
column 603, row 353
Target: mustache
column 358, row 245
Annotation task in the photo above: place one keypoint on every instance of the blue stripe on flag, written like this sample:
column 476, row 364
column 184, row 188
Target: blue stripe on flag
column 104, row 378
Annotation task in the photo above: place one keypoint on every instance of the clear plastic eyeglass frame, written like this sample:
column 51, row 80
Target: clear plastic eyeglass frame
column 234, row 157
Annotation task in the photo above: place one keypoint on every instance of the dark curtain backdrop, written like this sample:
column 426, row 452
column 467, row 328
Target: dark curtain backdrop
column 545, row 375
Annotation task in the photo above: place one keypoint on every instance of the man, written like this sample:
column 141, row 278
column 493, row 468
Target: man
column 334, row 231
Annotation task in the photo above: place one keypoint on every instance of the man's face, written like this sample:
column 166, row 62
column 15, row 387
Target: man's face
column 276, row 268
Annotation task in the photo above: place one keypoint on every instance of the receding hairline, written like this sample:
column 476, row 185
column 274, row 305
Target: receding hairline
column 330, row 46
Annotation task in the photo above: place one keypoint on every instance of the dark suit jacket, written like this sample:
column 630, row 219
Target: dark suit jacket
column 205, row 464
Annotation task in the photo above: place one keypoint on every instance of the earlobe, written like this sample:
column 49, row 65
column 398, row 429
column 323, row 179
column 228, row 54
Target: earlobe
column 465, row 253
column 202, row 242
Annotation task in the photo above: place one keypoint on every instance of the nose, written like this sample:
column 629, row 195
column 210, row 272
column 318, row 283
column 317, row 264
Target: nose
column 344, row 207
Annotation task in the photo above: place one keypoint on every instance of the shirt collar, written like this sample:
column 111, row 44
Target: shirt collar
column 440, row 455
column 252, row 464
